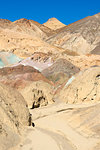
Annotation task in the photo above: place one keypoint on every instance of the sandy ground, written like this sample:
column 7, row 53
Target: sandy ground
column 52, row 130
column 42, row 139
column 58, row 124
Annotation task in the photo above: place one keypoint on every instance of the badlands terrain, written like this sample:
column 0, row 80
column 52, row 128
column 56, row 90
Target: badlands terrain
column 50, row 84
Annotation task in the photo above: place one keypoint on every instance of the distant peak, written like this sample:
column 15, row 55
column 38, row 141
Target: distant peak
column 53, row 19
column 54, row 24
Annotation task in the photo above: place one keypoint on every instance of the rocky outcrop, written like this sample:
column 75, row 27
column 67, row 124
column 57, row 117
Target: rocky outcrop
column 38, row 94
column 14, row 115
column 83, row 88
column 60, row 71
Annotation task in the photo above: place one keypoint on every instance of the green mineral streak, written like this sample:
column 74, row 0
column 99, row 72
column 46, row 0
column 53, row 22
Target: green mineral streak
column 9, row 59
column 13, row 59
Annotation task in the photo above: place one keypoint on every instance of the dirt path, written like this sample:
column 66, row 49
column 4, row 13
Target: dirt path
column 52, row 132
column 41, row 139
column 57, row 124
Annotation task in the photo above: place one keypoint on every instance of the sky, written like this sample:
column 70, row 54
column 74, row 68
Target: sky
column 67, row 11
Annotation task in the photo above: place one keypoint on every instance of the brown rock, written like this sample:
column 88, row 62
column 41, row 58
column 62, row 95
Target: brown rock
column 19, row 76
column 60, row 71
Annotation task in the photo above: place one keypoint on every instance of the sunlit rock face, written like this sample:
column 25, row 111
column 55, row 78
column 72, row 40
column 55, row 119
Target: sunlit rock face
column 84, row 88
column 54, row 24
column 14, row 116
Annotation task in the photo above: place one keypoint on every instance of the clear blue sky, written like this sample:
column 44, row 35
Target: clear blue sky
column 67, row 11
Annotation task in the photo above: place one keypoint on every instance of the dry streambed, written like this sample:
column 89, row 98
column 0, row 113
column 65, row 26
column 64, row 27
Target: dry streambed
column 52, row 130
